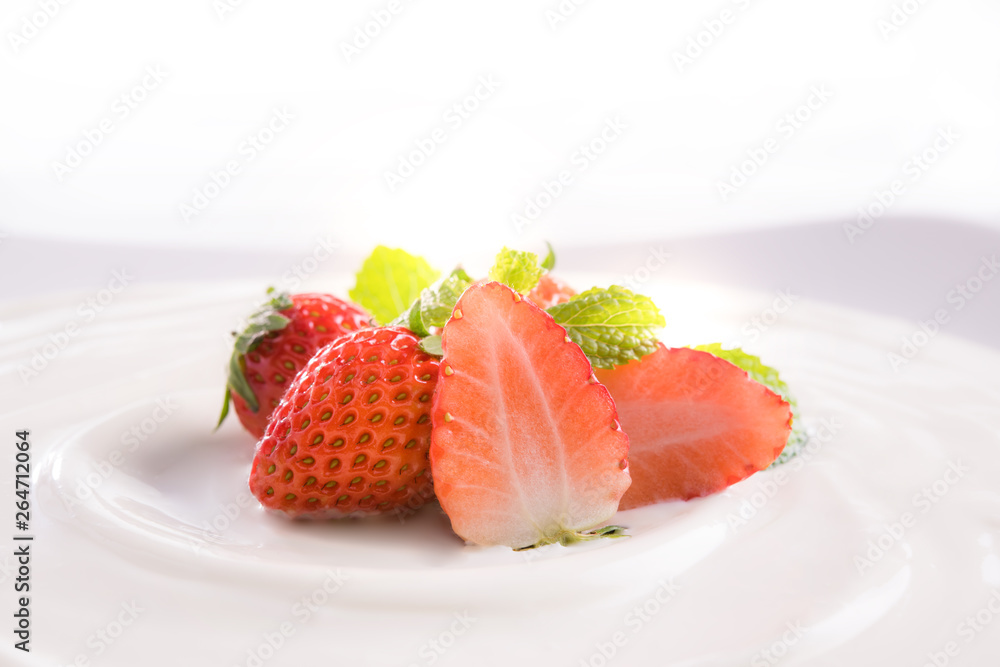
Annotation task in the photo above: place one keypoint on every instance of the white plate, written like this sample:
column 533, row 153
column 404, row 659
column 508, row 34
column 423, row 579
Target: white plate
column 137, row 506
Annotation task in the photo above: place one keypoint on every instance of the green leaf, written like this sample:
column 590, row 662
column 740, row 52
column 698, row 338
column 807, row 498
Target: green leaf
column 571, row 537
column 435, row 304
column 432, row 345
column 517, row 269
column 225, row 409
column 389, row 281
column 549, row 262
column 412, row 320
column 262, row 321
column 613, row 325
column 769, row 377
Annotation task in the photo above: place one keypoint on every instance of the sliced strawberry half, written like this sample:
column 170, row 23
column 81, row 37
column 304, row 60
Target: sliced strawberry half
column 696, row 424
column 526, row 448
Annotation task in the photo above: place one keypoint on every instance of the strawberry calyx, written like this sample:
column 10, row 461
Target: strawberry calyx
column 432, row 308
column 549, row 262
column 429, row 312
column 264, row 320
column 432, row 345
column 569, row 537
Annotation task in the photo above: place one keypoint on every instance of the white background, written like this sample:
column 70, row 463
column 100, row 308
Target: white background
column 226, row 69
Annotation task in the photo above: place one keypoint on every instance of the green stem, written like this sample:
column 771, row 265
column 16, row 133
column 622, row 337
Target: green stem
column 569, row 537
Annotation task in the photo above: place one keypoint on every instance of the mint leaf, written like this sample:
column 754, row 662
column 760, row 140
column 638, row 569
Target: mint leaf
column 434, row 306
column 613, row 325
column 517, row 269
column 262, row 321
column 769, row 377
column 389, row 281
column 549, row 262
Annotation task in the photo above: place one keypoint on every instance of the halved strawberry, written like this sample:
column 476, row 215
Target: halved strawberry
column 696, row 424
column 550, row 292
column 526, row 447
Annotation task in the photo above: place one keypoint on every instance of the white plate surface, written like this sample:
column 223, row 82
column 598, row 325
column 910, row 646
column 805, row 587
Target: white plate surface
column 141, row 510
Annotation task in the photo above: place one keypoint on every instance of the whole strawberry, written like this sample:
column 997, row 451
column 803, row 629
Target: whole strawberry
column 279, row 339
column 351, row 435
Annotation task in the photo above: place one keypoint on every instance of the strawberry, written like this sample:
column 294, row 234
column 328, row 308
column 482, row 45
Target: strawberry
column 550, row 292
column 696, row 423
column 526, row 448
column 278, row 340
column 350, row 437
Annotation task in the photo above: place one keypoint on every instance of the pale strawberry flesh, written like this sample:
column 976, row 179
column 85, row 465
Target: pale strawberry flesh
column 526, row 445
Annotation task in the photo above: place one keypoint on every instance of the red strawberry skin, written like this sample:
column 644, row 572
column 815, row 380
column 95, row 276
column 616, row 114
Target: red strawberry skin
column 696, row 424
column 550, row 291
column 526, row 446
column 316, row 320
column 351, row 436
